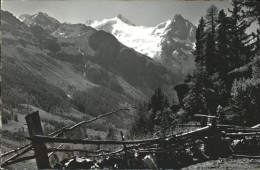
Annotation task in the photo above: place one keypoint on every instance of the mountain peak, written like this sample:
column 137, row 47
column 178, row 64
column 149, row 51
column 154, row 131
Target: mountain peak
column 48, row 23
column 125, row 20
column 42, row 14
column 182, row 29
column 178, row 17
column 46, row 17
column 120, row 16
column 24, row 17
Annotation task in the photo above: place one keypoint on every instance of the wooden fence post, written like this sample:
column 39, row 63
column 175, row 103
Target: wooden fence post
column 125, row 149
column 35, row 128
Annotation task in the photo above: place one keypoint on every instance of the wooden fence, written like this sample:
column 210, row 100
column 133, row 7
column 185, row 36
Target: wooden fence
column 164, row 144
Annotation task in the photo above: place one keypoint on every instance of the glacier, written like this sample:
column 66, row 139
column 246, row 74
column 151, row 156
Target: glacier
column 146, row 40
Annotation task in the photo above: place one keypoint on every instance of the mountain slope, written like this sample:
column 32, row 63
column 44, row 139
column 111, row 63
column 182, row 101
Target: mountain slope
column 170, row 42
column 75, row 57
column 35, row 75
column 25, row 52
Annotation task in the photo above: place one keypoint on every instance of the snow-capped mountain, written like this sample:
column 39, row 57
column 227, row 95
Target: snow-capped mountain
column 177, row 46
column 170, row 42
column 145, row 40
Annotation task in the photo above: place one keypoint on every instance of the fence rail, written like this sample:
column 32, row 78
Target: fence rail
column 47, row 139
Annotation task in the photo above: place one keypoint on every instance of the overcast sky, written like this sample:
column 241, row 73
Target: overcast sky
column 147, row 13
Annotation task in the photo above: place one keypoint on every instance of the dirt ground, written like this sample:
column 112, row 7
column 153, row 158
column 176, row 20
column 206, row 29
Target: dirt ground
column 227, row 163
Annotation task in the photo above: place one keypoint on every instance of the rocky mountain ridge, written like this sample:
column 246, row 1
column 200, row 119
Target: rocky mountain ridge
column 169, row 43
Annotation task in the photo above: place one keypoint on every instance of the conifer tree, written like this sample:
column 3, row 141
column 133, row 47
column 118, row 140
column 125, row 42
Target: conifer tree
column 210, row 54
column 196, row 100
column 200, row 40
column 252, row 11
column 257, row 42
column 111, row 134
column 158, row 101
column 211, row 22
column 240, row 50
column 16, row 117
column 223, row 44
column 4, row 120
column 142, row 124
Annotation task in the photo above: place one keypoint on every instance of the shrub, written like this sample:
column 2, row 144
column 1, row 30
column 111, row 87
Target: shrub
column 245, row 100
column 16, row 117
column 5, row 117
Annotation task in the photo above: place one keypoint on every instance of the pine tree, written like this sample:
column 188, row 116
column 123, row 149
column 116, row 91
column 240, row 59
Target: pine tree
column 158, row 101
column 16, row 117
column 166, row 102
column 252, row 13
column 196, row 100
column 111, row 135
column 258, row 41
column 240, row 50
column 252, row 10
column 200, row 40
column 211, row 22
column 4, row 120
column 223, row 44
column 142, row 124
column 210, row 54
column 202, row 95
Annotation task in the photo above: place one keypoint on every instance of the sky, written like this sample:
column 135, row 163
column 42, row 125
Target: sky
column 139, row 12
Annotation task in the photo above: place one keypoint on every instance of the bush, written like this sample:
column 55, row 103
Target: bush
column 142, row 124
column 111, row 134
column 5, row 117
column 245, row 100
